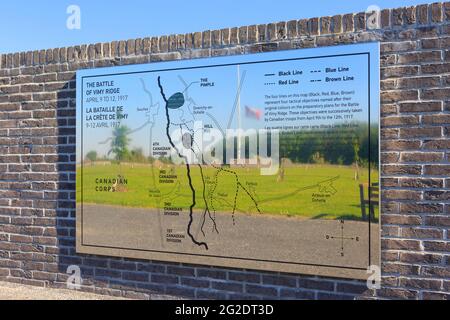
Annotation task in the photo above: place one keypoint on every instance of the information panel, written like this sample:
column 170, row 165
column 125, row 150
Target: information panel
column 265, row 161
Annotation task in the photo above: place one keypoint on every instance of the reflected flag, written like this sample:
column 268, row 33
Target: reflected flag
column 254, row 113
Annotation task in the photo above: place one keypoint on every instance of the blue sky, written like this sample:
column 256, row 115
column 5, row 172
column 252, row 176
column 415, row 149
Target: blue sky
column 31, row 25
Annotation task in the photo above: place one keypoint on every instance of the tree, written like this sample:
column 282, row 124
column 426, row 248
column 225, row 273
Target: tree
column 91, row 156
column 137, row 155
column 120, row 142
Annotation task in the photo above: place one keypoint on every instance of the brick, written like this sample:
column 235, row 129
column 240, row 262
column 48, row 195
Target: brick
column 400, row 244
column 436, row 271
column 210, row 294
column 291, row 29
column 420, row 258
column 431, row 43
column 402, row 195
column 438, row 221
column 401, row 169
column 316, row 284
column 227, row 286
column 437, row 170
column 400, row 71
column 436, row 119
column 446, row 10
column 418, row 82
column 421, row 132
column 244, row 277
column 348, row 23
column 336, row 24
column 253, row 33
column 281, row 30
column 154, row 41
column 436, row 246
column 296, row 294
column 422, row 14
column 325, row 25
column 313, row 26
column 427, row 295
column 388, row 109
column 157, row 278
column 360, row 21
column 234, row 36
column 302, row 28
column 164, row 43
column 123, row 265
column 399, row 95
column 195, row 283
column 402, row 219
column 389, row 157
column 422, row 156
column 397, row 17
column 394, row 47
column 435, row 68
column 181, row 271
column 279, row 281
column 180, row 291
column 388, row 60
column 389, row 182
column 260, row 290
column 211, row 273
column 428, row 284
column 421, row 208
column 419, row 57
column 410, row 15
column 100, row 272
column 417, row 107
column 400, row 145
column 172, row 43
column 354, row 288
column 225, row 36
column 400, row 121
column 135, row 276
column 206, row 37
column 271, row 32
column 421, row 183
column 436, row 12
column 421, row 233
column 437, row 195
column 436, row 94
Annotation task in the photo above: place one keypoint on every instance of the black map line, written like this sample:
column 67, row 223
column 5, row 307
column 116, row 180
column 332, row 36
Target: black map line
column 191, row 101
column 206, row 211
column 188, row 169
column 238, row 183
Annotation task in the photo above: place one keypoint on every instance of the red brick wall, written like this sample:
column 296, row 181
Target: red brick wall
column 37, row 160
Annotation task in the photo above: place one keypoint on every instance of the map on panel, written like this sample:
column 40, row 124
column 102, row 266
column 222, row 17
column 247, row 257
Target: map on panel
column 266, row 161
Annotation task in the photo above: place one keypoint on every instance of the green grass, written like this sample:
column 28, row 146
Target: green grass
column 272, row 197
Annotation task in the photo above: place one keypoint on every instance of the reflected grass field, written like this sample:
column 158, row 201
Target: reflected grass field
column 308, row 191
